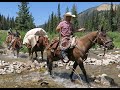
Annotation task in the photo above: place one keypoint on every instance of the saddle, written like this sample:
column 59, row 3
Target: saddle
column 56, row 43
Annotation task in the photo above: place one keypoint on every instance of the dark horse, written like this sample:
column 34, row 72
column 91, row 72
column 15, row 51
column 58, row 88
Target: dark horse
column 80, row 51
column 16, row 46
column 40, row 46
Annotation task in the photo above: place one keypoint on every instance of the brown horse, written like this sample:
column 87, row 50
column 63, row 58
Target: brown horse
column 8, row 39
column 16, row 46
column 79, row 52
column 40, row 46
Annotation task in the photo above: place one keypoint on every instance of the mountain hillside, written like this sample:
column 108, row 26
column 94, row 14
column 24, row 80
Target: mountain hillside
column 85, row 14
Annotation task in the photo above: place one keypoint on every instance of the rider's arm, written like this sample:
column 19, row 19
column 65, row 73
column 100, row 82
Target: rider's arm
column 78, row 30
column 59, row 27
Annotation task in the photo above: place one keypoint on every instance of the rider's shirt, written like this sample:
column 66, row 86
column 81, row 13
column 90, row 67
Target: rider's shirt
column 66, row 28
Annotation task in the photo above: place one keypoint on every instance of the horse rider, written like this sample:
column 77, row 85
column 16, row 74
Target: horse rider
column 9, row 32
column 65, row 29
column 15, row 36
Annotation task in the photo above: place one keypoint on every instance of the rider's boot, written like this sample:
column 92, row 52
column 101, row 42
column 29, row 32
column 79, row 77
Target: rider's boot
column 64, row 55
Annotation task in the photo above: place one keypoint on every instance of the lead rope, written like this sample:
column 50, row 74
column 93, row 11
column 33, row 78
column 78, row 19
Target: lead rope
column 78, row 76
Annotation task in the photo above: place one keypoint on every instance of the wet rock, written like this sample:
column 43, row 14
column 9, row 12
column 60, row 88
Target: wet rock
column 43, row 64
column 2, row 51
column 10, row 71
column 44, row 83
column 97, row 81
column 119, row 75
column 118, row 67
column 98, row 62
column 2, row 71
column 55, row 65
column 31, row 69
column 67, row 67
column 105, row 80
column 37, row 79
column 60, row 64
column 14, row 63
column 32, row 65
column 18, row 71
column 2, row 66
column 71, row 63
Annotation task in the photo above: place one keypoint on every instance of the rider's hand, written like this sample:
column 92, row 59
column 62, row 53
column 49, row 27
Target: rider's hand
column 81, row 29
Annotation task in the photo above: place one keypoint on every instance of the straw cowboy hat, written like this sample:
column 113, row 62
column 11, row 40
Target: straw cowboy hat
column 69, row 14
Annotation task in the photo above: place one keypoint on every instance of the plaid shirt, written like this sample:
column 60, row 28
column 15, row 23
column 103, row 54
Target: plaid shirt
column 67, row 28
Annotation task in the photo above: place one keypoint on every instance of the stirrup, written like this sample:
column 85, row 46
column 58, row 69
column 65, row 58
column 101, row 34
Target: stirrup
column 65, row 60
column 52, row 50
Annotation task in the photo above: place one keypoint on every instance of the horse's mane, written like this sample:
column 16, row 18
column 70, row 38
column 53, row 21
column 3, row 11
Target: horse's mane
column 88, row 35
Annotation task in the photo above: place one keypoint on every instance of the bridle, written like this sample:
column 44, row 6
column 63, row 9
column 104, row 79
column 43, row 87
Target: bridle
column 98, row 37
column 103, row 41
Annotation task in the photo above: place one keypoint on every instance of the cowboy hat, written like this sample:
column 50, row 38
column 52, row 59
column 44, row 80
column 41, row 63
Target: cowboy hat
column 69, row 14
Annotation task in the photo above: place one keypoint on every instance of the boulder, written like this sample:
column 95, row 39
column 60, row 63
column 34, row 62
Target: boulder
column 119, row 75
column 104, row 80
column 2, row 66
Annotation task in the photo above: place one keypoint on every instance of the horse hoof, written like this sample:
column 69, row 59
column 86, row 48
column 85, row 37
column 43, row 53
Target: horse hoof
column 72, row 80
column 52, row 76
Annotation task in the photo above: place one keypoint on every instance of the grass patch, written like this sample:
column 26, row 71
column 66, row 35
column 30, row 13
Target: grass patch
column 3, row 36
column 116, row 38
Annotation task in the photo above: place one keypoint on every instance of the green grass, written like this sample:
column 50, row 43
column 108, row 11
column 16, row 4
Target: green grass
column 114, row 35
column 3, row 35
column 116, row 38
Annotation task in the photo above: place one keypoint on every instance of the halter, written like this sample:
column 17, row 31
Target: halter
column 104, row 43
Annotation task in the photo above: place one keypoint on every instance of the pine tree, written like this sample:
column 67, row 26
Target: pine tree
column 67, row 10
column 75, row 20
column 24, row 20
column 51, row 23
column 59, row 14
column 118, row 18
column 111, row 18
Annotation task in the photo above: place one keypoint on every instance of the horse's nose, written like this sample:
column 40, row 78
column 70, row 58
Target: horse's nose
column 112, row 46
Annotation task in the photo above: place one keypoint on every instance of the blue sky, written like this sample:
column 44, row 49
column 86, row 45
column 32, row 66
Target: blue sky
column 42, row 10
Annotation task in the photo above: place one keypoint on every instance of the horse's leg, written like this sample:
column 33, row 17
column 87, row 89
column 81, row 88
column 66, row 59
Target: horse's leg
column 36, row 55
column 13, row 51
column 74, row 67
column 49, row 65
column 17, row 53
column 29, row 50
column 42, row 54
column 80, row 63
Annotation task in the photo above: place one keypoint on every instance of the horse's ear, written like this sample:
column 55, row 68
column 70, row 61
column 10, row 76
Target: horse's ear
column 100, row 29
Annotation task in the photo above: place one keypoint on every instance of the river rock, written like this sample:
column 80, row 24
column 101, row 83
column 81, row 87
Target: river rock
column 18, row 71
column 60, row 64
column 2, row 66
column 106, row 80
column 119, row 75
column 118, row 67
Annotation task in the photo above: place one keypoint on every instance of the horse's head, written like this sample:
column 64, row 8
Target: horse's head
column 44, row 40
column 17, row 43
column 104, row 40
